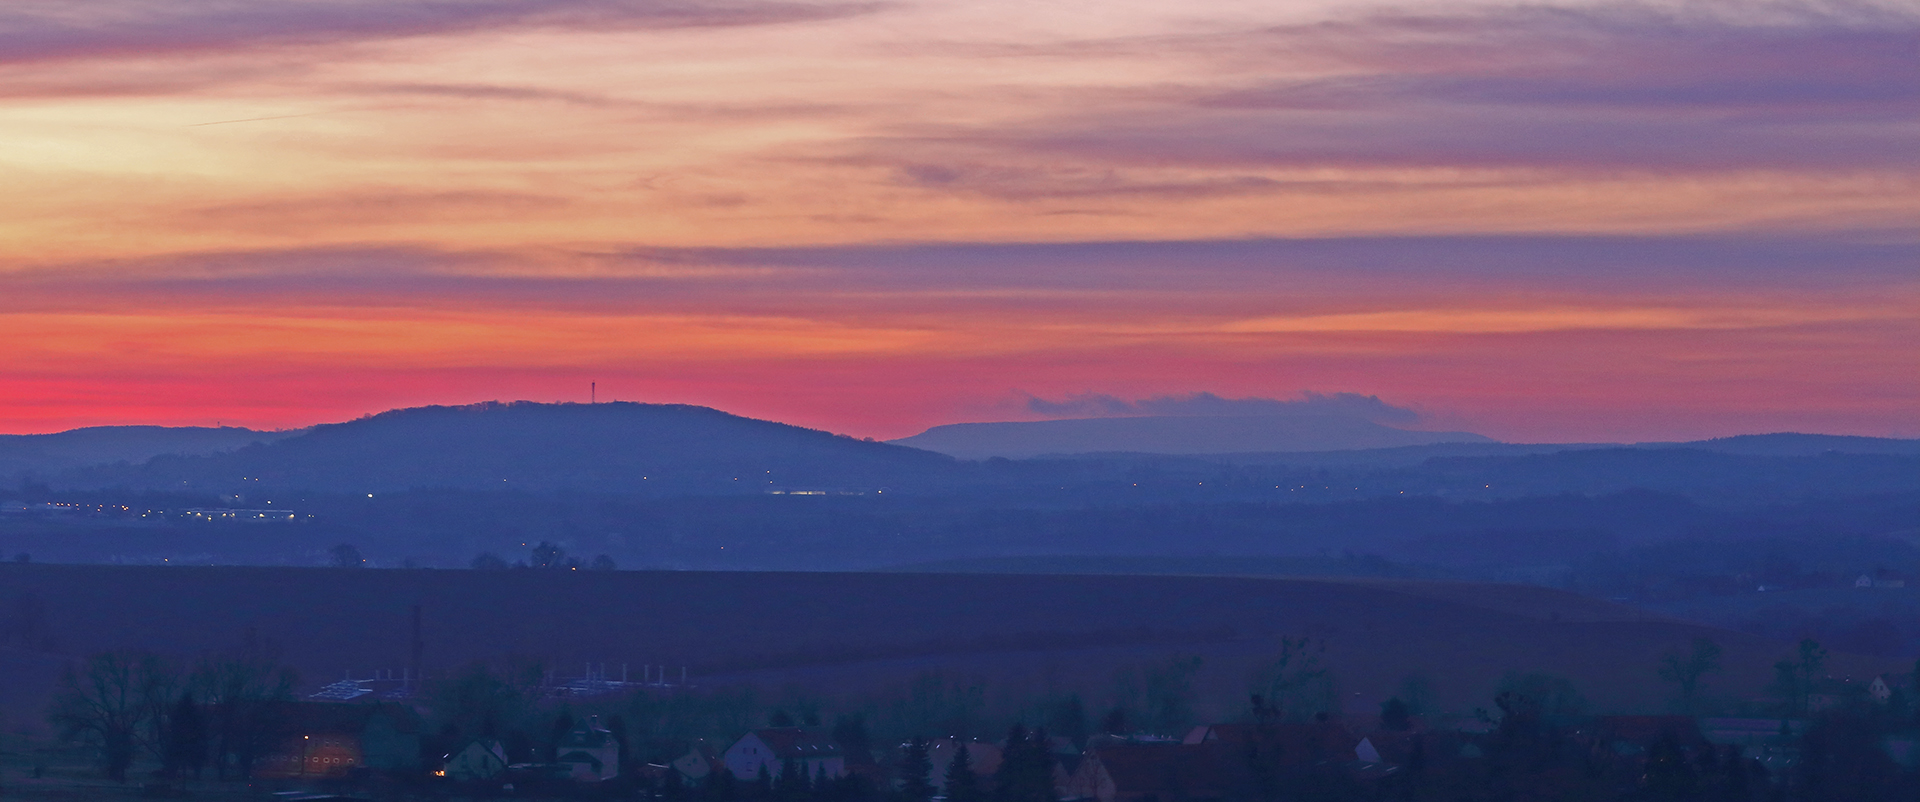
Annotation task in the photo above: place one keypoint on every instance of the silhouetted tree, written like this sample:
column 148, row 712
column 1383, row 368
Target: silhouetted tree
column 489, row 561
column 185, row 749
column 1115, row 722
column 562, row 724
column 963, row 785
column 244, row 692
column 780, row 718
column 850, row 732
column 763, row 784
column 617, row 725
column 1667, row 773
column 1394, row 716
column 1169, row 694
column 1296, row 684
column 548, row 555
column 791, row 783
column 1793, row 677
column 1026, row 768
column 345, row 555
column 604, row 563
column 720, row 785
column 1841, row 760
column 1685, row 672
column 916, row 772
column 1068, row 718
column 107, row 702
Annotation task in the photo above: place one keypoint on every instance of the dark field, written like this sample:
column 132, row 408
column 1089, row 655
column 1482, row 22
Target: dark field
column 837, row 633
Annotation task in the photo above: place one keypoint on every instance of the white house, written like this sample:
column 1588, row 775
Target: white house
column 697, row 763
column 1882, row 689
column 769, row 749
column 477, row 761
column 591, row 751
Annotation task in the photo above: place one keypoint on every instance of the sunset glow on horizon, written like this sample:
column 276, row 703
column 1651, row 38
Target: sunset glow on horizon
column 1581, row 222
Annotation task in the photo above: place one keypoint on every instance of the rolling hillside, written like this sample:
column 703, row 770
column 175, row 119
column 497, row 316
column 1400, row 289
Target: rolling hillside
column 41, row 455
column 615, row 447
column 1172, row 435
column 842, row 632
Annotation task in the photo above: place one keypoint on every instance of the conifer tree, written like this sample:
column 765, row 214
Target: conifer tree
column 962, row 784
column 916, row 773
column 792, row 783
column 720, row 785
column 1026, row 768
column 763, row 784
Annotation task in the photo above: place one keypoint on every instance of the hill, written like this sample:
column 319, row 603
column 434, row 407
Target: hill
column 41, row 455
column 615, row 447
column 1792, row 444
column 845, row 632
column 1172, row 435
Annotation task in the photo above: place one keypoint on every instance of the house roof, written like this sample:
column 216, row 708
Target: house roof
column 1644, row 730
column 588, row 735
column 703, row 751
column 1293, row 742
column 489, row 748
column 797, row 743
column 1169, row 771
column 581, row 757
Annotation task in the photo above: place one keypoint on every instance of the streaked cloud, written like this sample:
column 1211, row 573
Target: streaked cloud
column 1550, row 221
column 42, row 30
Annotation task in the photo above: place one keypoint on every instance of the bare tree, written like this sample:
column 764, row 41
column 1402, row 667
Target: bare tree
column 346, row 556
column 1685, row 672
column 110, row 702
column 1296, row 684
column 244, row 693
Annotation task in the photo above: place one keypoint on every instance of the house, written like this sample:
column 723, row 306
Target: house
column 1155, row 772
column 328, row 739
column 769, row 750
column 477, row 761
column 1751, row 733
column 1882, row 688
column 591, row 751
column 1829, row 693
column 1322, row 740
column 697, row 763
column 1632, row 735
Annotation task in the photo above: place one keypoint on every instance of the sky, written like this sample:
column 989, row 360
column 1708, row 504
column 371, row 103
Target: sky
column 1600, row 221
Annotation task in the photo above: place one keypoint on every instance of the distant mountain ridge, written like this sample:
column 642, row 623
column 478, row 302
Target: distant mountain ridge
column 1794, row 444
column 1322, row 440
column 23, row 455
column 1168, row 434
column 612, row 447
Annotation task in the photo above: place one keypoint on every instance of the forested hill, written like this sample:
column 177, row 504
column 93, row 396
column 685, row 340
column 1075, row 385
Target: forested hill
column 1173, row 435
column 608, row 448
column 27, row 456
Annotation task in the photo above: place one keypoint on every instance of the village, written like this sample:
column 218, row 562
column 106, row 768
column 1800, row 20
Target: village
column 404, row 736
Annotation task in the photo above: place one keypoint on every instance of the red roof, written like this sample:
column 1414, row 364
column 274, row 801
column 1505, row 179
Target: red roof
column 797, row 743
column 1168, row 771
column 1644, row 730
